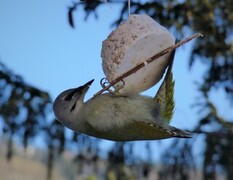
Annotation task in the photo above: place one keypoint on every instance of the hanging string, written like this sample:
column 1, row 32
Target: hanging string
column 129, row 1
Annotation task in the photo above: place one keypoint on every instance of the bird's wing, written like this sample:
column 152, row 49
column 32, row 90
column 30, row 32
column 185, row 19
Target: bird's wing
column 159, row 131
column 138, row 130
column 165, row 94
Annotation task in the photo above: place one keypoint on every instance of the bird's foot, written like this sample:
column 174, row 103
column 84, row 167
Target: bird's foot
column 120, row 85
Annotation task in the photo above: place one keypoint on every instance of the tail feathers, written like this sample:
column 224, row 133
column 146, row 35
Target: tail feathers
column 175, row 132
column 167, row 130
column 165, row 94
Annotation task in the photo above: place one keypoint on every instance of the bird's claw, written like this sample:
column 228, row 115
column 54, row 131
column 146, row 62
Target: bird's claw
column 119, row 86
column 104, row 83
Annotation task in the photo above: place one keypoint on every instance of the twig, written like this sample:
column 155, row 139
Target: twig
column 139, row 66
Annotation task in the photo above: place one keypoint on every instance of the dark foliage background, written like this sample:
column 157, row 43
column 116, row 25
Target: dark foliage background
column 25, row 110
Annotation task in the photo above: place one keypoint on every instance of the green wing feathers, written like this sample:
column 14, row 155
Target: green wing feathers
column 165, row 94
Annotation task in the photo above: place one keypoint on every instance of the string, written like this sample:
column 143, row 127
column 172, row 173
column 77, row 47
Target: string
column 129, row 1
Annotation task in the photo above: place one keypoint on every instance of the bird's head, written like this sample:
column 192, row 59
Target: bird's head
column 70, row 102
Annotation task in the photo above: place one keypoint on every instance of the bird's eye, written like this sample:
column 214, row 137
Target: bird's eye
column 69, row 96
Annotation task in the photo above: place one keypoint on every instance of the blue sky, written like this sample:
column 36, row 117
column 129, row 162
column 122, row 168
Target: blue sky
column 37, row 43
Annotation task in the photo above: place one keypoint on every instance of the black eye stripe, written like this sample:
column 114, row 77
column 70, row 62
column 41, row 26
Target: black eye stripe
column 70, row 96
column 73, row 107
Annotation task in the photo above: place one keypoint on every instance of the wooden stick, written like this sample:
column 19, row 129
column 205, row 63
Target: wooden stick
column 150, row 60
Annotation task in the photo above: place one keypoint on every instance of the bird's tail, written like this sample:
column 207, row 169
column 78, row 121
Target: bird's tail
column 175, row 132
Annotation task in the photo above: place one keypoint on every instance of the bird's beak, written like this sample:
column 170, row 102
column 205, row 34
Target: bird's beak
column 86, row 86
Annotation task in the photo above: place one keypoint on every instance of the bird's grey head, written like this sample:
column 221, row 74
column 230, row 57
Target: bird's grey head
column 69, row 102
